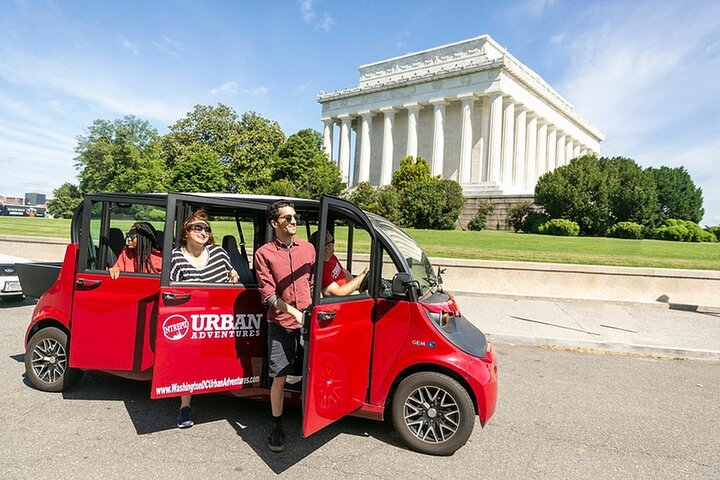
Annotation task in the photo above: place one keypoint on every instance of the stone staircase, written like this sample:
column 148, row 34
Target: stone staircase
column 498, row 219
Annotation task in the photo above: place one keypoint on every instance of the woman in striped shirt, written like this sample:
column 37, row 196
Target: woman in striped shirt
column 198, row 259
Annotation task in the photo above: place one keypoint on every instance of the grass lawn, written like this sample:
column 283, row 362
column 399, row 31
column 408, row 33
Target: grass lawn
column 485, row 245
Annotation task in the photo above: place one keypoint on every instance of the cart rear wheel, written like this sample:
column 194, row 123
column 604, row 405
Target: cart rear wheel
column 46, row 361
column 433, row 413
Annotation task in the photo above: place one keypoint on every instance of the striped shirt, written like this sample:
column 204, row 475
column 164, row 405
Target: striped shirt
column 216, row 268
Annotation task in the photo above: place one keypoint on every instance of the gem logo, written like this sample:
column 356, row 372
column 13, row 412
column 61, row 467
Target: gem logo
column 175, row 327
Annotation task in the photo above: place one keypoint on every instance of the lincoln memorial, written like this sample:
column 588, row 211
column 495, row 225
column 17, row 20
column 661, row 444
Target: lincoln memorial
column 476, row 113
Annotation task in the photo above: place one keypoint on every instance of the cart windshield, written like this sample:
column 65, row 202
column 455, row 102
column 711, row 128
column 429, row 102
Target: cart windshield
column 416, row 259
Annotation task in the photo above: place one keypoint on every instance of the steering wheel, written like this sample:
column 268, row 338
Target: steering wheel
column 365, row 284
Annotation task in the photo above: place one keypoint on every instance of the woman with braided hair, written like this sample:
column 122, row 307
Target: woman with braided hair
column 141, row 253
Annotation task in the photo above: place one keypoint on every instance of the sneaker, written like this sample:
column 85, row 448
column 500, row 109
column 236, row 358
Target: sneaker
column 184, row 418
column 276, row 439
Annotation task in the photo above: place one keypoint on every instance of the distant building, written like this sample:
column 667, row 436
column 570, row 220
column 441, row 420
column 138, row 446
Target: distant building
column 35, row 199
column 11, row 200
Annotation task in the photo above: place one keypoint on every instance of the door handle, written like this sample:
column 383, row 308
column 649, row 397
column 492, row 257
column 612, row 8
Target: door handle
column 81, row 284
column 326, row 316
column 175, row 298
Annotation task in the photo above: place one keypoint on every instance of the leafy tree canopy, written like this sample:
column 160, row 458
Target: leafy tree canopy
column 65, row 200
column 200, row 171
column 123, row 155
column 677, row 194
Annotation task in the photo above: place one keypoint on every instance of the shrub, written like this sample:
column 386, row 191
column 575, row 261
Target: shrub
column 364, row 196
column 534, row 221
column 714, row 230
column 388, row 203
column 517, row 214
column 626, row 230
column 561, row 227
column 683, row 231
column 479, row 221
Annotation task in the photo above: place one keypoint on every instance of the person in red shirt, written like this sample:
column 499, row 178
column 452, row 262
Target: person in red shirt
column 284, row 270
column 141, row 252
column 336, row 280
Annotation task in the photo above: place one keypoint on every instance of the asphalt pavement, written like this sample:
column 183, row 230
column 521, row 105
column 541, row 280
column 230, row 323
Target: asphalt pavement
column 646, row 329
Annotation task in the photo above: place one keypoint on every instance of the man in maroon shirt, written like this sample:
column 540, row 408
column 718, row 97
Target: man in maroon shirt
column 284, row 270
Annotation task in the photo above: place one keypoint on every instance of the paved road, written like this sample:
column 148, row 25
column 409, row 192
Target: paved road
column 561, row 414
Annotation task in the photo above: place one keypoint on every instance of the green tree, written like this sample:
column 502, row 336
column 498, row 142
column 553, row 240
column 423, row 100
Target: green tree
column 412, row 171
column 577, row 191
column 123, row 155
column 65, row 200
column 301, row 161
column 244, row 145
column 632, row 194
column 199, row 171
column 677, row 194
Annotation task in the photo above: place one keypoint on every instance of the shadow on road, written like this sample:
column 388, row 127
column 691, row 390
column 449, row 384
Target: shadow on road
column 251, row 419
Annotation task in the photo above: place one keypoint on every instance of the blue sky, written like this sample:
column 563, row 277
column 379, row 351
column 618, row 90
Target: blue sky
column 643, row 72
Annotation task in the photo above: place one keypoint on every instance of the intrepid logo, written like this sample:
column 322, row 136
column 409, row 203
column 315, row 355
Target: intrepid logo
column 212, row 325
column 175, row 327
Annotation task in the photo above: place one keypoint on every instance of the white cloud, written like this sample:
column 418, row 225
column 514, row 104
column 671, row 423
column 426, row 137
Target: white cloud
column 91, row 84
column 169, row 46
column 309, row 16
column 648, row 80
column 306, row 9
column 229, row 88
column 327, row 22
column 132, row 47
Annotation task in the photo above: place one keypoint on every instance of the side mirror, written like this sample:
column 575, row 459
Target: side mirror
column 402, row 282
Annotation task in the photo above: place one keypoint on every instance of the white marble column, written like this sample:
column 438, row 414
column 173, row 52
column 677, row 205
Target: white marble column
column 541, row 155
column 583, row 151
column 560, row 150
column 551, row 147
column 466, row 109
column 576, row 151
column 364, row 171
column 530, row 152
column 344, row 158
column 569, row 150
column 520, row 133
column 438, row 151
column 495, row 138
column 412, row 134
column 508, row 144
column 484, row 139
column 328, row 128
column 387, row 153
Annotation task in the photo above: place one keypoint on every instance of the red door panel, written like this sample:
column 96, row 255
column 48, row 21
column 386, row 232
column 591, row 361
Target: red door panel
column 112, row 321
column 337, row 362
column 208, row 339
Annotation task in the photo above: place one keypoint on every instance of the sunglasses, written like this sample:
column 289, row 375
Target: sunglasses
column 130, row 235
column 199, row 228
column 330, row 242
column 288, row 218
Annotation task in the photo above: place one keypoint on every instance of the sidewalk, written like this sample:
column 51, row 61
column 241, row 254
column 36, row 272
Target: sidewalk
column 603, row 326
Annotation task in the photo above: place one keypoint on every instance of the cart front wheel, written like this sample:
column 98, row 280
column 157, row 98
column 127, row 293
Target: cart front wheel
column 433, row 413
column 46, row 361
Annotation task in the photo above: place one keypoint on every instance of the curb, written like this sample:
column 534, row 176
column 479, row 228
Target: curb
column 617, row 347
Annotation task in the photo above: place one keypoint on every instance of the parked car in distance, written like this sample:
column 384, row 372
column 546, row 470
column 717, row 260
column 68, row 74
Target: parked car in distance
column 10, row 290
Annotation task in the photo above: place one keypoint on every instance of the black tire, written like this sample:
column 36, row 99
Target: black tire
column 433, row 413
column 13, row 298
column 46, row 361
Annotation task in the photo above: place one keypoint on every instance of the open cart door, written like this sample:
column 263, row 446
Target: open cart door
column 210, row 337
column 338, row 332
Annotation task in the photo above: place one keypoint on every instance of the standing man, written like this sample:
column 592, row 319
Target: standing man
column 284, row 271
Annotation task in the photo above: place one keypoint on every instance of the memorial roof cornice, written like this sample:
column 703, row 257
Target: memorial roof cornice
column 506, row 62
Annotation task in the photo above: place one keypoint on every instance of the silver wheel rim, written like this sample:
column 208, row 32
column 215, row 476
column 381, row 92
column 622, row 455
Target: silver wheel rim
column 432, row 414
column 49, row 360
